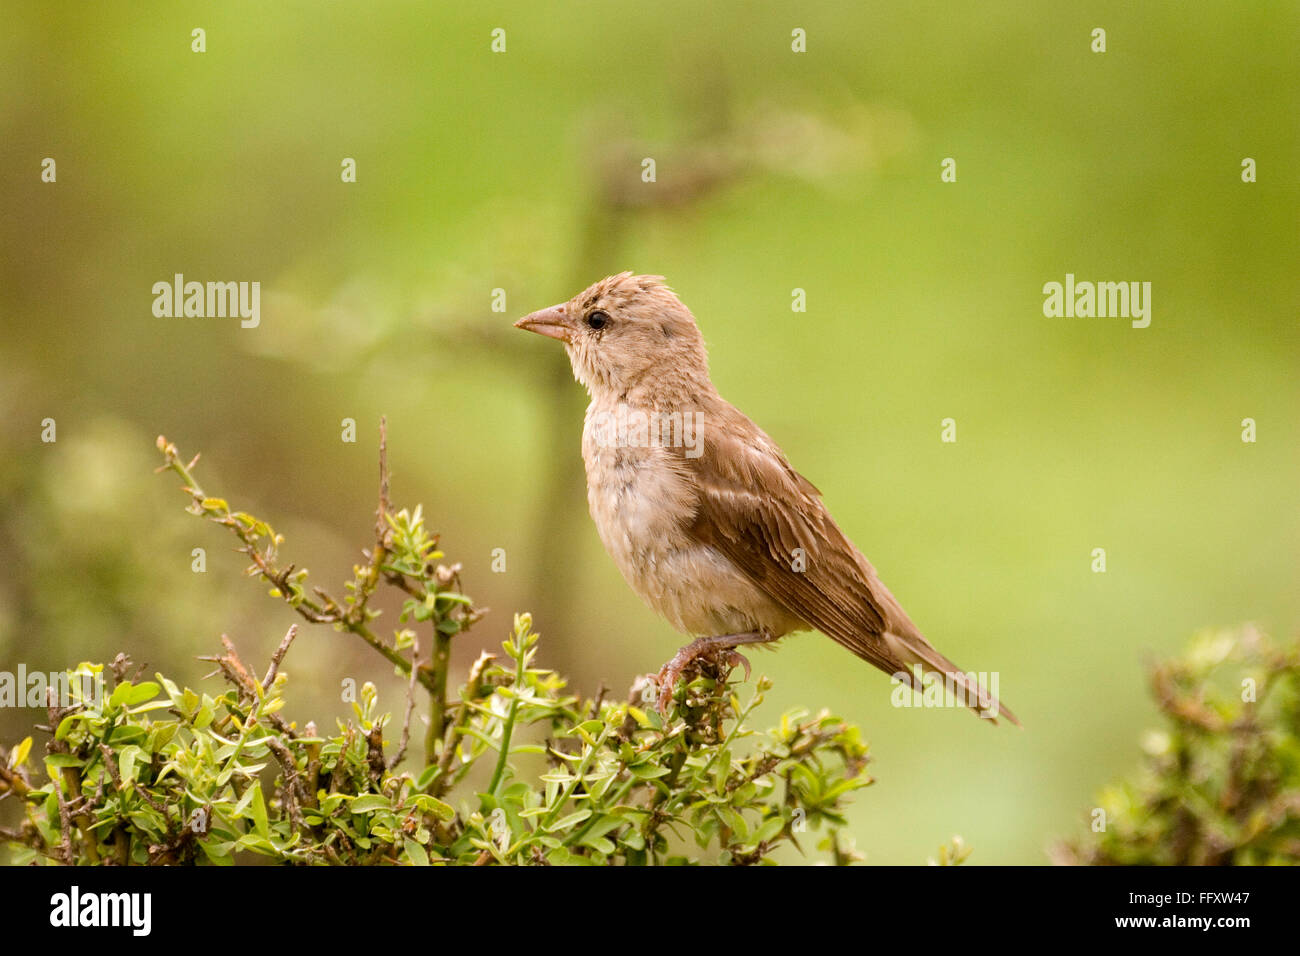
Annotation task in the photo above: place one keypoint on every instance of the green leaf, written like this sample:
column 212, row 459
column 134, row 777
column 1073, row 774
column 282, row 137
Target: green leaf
column 609, row 821
column 370, row 802
column 415, row 853
column 126, row 763
column 124, row 734
column 735, row 821
column 173, row 691
column 572, row 820
column 599, row 844
column 118, row 696
column 722, row 770
column 66, row 725
column 152, row 705
column 140, row 693
column 330, row 802
column 259, row 811
column 218, row 851
column 769, row 830
column 203, row 718
column 429, row 804
column 426, row 777
column 244, row 802
column 258, row 844
column 649, row 771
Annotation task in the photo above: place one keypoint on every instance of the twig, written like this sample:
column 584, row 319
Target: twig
column 263, row 566
column 11, row 780
column 65, row 825
column 368, row 579
column 439, row 665
column 381, row 516
column 233, row 669
column 278, row 657
column 375, row 753
column 68, row 777
column 141, row 789
column 410, row 710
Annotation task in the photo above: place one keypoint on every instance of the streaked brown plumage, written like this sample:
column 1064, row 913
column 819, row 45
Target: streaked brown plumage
column 713, row 528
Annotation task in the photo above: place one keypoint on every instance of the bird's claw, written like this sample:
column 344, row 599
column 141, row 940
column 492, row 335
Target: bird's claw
column 671, row 672
column 735, row 659
column 667, row 680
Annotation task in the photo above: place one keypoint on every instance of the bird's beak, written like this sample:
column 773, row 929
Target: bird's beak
column 552, row 322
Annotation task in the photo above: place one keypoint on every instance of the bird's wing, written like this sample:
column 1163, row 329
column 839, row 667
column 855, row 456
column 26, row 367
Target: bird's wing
column 770, row 522
column 758, row 511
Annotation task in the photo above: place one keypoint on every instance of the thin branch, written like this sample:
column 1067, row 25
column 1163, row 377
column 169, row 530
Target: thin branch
column 381, row 516
column 410, row 710
column 140, row 789
column 278, row 657
column 12, row 780
column 233, row 669
column 65, row 825
column 219, row 512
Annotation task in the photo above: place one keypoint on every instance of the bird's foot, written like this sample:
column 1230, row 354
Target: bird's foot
column 719, row 650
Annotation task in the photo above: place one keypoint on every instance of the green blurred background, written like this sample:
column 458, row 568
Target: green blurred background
column 775, row 170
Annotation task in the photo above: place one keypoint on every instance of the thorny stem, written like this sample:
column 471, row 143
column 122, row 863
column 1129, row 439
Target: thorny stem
column 326, row 609
column 317, row 613
column 439, row 665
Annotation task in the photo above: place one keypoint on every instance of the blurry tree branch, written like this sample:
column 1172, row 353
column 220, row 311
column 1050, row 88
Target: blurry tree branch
column 719, row 154
column 1220, row 783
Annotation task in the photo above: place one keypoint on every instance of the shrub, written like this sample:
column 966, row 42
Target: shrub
column 515, row 770
column 1220, row 784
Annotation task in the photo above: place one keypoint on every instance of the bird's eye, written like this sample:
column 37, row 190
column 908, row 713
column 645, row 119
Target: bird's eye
column 597, row 320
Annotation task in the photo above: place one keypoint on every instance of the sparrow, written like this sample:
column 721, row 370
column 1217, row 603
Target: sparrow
column 702, row 512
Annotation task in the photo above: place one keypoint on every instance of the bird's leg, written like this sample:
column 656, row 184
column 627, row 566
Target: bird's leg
column 721, row 647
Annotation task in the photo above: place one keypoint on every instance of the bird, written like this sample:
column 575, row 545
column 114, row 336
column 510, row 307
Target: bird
column 701, row 510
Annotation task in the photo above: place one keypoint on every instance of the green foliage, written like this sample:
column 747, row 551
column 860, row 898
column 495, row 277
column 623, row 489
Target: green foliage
column 153, row 773
column 515, row 770
column 1220, row 784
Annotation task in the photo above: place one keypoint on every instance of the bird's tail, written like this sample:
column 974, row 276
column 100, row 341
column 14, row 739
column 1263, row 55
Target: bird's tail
column 916, row 653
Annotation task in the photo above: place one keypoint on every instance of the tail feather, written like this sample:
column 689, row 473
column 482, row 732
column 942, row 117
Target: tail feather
column 917, row 651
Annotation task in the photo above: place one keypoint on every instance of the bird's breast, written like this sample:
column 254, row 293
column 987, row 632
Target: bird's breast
column 640, row 496
column 643, row 500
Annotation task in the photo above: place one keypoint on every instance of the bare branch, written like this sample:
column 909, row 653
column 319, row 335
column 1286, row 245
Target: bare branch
column 278, row 656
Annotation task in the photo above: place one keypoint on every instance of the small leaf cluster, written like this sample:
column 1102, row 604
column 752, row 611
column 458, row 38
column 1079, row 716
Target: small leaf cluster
column 622, row 786
column 404, row 556
column 413, row 555
column 156, row 774
column 217, row 779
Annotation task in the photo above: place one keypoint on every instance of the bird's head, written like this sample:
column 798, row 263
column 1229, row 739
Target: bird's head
column 625, row 333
